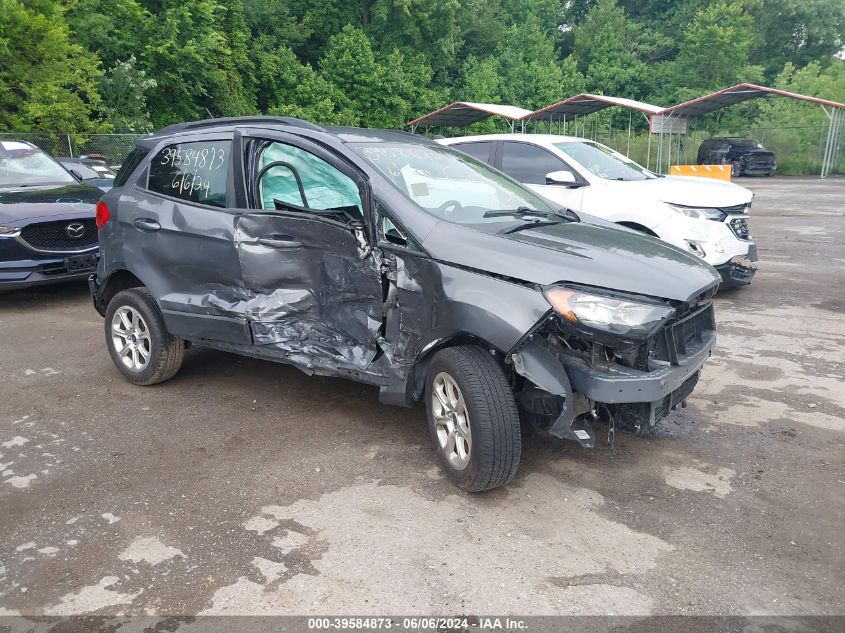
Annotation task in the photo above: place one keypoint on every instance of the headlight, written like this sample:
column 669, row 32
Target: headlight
column 623, row 317
column 698, row 213
column 9, row 231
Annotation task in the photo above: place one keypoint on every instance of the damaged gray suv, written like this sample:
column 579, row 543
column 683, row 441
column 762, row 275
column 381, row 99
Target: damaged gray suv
column 388, row 259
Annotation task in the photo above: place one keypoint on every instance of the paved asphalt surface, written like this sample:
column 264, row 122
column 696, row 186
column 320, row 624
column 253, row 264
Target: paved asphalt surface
column 246, row 487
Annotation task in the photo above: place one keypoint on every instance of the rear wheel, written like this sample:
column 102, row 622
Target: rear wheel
column 138, row 341
column 473, row 419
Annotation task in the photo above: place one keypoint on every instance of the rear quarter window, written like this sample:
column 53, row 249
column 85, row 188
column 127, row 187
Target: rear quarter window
column 193, row 172
column 129, row 165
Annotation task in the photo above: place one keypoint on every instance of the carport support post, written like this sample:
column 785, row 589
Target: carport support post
column 628, row 148
column 660, row 153
column 648, row 152
column 669, row 154
column 834, row 117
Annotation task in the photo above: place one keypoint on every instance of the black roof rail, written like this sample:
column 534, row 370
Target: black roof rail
column 238, row 120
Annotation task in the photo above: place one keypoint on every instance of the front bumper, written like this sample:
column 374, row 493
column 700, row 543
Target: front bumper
column 738, row 271
column 566, row 389
column 22, row 274
column 622, row 385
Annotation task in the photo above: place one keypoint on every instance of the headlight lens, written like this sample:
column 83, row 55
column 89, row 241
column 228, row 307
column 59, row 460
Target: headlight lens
column 698, row 213
column 9, row 231
column 614, row 315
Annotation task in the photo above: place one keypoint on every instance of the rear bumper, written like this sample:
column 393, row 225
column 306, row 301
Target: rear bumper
column 96, row 297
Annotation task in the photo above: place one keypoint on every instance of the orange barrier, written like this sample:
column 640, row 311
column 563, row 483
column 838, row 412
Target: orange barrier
column 720, row 172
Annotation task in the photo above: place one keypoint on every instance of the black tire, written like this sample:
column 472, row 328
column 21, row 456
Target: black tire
column 165, row 351
column 496, row 442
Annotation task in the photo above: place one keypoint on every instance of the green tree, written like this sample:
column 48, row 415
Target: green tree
column 615, row 53
column 714, row 51
column 530, row 73
column 46, row 82
column 430, row 27
column 124, row 89
column 378, row 91
column 198, row 65
column 113, row 29
column 796, row 31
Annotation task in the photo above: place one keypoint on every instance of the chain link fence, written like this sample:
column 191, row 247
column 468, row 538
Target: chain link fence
column 798, row 150
column 115, row 147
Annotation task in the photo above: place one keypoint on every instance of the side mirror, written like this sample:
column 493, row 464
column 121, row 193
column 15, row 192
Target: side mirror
column 561, row 177
column 76, row 175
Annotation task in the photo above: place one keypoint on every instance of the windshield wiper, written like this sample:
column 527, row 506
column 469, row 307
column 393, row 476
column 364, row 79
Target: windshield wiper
column 530, row 225
column 567, row 214
column 518, row 212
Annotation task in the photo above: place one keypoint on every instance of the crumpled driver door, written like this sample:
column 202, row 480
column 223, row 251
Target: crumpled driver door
column 311, row 298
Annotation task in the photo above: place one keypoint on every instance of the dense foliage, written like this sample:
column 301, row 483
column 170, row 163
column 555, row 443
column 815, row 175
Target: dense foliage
column 80, row 66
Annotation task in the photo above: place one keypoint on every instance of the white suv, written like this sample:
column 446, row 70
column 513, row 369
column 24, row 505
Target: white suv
column 707, row 217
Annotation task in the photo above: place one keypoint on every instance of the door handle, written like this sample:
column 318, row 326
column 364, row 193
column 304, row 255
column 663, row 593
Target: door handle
column 279, row 242
column 146, row 224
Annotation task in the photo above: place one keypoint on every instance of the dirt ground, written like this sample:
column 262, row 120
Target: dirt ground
column 246, row 487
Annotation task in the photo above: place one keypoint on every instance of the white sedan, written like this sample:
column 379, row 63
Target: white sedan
column 707, row 217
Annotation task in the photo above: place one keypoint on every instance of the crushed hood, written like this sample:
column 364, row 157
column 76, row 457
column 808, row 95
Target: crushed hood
column 577, row 252
column 24, row 204
column 687, row 190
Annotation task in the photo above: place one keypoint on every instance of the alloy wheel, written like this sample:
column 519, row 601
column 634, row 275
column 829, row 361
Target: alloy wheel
column 451, row 420
column 131, row 338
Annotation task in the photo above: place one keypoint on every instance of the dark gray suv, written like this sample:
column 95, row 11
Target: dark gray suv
column 388, row 259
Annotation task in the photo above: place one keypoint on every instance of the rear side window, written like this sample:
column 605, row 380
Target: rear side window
column 129, row 165
column 528, row 163
column 193, row 172
column 478, row 149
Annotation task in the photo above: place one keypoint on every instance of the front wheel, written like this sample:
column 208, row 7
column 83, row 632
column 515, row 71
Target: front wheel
column 472, row 419
column 138, row 341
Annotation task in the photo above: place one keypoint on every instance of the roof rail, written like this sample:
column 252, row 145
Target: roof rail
column 238, row 120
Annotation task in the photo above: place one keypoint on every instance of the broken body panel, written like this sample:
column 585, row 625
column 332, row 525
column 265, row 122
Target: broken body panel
column 339, row 296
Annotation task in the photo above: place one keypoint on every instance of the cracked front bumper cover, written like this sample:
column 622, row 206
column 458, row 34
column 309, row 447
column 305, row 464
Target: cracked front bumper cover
column 624, row 385
column 736, row 272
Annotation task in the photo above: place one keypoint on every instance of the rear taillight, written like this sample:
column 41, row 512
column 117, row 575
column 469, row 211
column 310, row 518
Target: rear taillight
column 103, row 214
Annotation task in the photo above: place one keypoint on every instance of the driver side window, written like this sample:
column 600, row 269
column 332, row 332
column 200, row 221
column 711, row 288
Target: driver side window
column 288, row 175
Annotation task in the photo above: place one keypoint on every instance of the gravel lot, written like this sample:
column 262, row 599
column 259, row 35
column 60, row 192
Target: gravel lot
column 246, row 487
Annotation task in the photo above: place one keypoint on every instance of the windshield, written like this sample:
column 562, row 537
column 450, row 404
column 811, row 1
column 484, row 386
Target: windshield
column 603, row 162
column 450, row 185
column 22, row 165
column 747, row 143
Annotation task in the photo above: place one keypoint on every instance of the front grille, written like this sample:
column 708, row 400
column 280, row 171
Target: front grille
column 55, row 236
column 685, row 336
column 739, row 227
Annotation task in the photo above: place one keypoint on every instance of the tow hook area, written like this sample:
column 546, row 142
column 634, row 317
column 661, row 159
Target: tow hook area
column 549, row 392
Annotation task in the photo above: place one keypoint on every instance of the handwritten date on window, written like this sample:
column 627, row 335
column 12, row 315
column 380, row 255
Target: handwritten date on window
column 195, row 172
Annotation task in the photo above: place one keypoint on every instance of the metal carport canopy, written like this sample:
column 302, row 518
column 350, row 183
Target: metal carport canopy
column 463, row 113
column 834, row 110
column 589, row 103
column 737, row 94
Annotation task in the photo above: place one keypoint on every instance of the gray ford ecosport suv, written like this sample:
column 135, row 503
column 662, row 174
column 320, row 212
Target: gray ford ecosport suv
column 388, row 259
